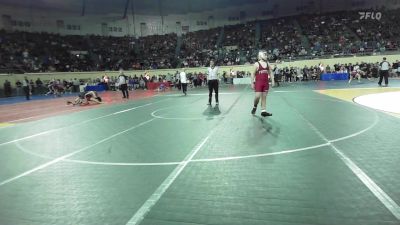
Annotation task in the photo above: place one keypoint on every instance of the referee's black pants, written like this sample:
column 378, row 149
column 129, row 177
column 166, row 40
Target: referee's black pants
column 212, row 85
column 384, row 74
column 184, row 88
column 124, row 89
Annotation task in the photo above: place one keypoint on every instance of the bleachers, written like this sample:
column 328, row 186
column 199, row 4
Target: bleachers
column 334, row 34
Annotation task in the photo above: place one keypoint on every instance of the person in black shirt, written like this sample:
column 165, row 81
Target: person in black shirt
column 396, row 67
column 7, row 89
column 18, row 84
column 374, row 70
column 305, row 73
column 277, row 75
column 39, row 83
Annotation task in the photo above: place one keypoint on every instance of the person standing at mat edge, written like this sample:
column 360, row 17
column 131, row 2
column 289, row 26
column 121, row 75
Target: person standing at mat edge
column 384, row 72
column 123, row 84
column 183, row 79
column 260, row 77
column 26, row 87
column 213, row 82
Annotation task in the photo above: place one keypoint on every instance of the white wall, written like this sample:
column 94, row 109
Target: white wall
column 45, row 20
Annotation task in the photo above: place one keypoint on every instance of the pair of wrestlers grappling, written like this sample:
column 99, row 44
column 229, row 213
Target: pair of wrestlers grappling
column 86, row 98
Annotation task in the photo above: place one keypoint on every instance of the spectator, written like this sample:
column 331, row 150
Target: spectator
column 26, row 88
column 32, row 86
column 18, row 84
column 7, row 89
column 75, row 84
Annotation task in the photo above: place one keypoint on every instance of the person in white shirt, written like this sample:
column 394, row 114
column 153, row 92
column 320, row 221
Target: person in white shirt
column 356, row 73
column 213, row 82
column 123, row 84
column 384, row 72
column 183, row 79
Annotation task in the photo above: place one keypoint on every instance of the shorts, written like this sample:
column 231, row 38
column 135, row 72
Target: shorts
column 261, row 84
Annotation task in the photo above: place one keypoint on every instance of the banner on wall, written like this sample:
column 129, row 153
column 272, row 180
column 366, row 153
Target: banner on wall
column 60, row 24
column 7, row 23
column 78, row 52
column 185, row 28
column 231, row 47
column 143, row 29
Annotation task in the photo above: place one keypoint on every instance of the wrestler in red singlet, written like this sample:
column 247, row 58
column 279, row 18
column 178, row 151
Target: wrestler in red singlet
column 260, row 76
column 261, row 83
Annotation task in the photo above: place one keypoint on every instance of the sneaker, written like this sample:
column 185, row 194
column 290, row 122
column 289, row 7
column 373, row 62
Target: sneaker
column 253, row 111
column 209, row 103
column 217, row 103
column 264, row 114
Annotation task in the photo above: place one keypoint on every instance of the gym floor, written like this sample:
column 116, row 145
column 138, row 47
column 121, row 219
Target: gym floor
column 169, row 159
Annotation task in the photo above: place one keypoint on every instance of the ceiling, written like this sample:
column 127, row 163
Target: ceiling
column 167, row 7
column 140, row 6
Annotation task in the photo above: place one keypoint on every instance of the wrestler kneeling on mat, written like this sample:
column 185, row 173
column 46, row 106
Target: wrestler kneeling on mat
column 86, row 98
column 261, row 82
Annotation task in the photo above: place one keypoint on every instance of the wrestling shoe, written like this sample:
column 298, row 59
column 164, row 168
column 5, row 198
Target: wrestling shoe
column 253, row 111
column 265, row 114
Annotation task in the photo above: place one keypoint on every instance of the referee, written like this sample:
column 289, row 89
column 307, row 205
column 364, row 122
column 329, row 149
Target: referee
column 183, row 80
column 213, row 80
column 123, row 84
column 384, row 72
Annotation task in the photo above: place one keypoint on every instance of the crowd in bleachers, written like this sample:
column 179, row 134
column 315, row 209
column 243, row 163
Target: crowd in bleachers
column 198, row 47
column 381, row 35
column 239, row 42
column 327, row 35
column 157, row 52
column 281, row 38
column 340, row 33
column 44, row 52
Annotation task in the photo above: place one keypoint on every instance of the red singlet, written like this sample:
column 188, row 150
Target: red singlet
column 262, row 82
